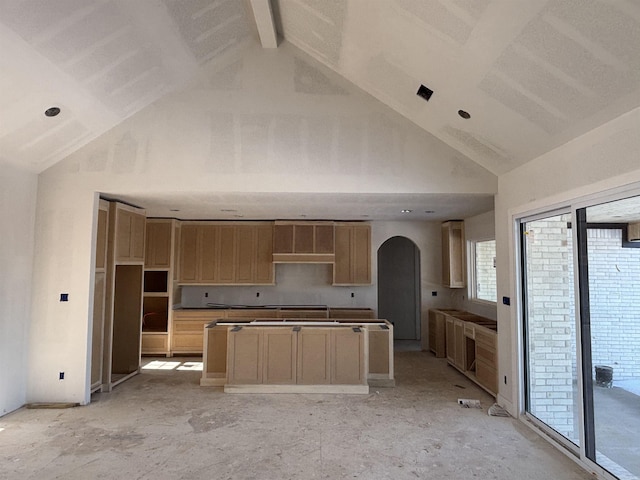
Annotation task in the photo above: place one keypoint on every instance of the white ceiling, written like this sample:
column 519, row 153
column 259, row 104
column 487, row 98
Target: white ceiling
column 533, row 74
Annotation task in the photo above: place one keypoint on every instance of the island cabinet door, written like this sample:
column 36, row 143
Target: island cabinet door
column 347, row 356
column 280, row 350
column 314, row 356
column 245, row 356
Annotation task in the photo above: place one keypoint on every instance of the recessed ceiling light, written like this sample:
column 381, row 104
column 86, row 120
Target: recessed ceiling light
column 52, row 111
column 429, row 211
column 174, row 210
column 228, row 210
column 303, row 216
column 464, row 114
column 239, row 216
column 364, row 216
column 406, row 211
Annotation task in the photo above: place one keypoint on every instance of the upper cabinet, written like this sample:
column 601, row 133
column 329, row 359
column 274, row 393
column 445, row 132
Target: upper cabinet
column 158, row 244
column 129, row 234
column 226, row 254
column 352, row 254
column 453, row 254
column 303, row 242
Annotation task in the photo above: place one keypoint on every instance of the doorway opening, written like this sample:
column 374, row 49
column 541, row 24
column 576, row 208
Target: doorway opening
column 399, row 286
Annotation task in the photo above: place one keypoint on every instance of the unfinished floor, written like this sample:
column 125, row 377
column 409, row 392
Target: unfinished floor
column 162, row 425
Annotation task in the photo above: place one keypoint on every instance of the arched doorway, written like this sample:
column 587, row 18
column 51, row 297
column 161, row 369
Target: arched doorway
column 399, row 286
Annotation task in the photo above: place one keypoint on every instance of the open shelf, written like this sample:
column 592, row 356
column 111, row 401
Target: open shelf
column 155, row 281
column 155, row 314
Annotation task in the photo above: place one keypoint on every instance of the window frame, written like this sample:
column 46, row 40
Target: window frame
column 472, row 284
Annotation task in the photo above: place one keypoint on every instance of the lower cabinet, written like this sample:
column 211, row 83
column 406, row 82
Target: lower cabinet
column 187, row 331
column 472, row 349
column 298, row 357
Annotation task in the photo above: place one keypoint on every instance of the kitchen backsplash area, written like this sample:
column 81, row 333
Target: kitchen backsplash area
column 296, row 284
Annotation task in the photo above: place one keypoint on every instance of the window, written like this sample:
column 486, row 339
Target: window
column 483, row 271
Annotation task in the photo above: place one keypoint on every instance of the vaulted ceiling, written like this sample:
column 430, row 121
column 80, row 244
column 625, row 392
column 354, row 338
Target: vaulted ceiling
column 532, row 74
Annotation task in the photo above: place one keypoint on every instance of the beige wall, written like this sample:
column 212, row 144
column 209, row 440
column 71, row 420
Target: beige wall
column 604, row 159
column 17, row 217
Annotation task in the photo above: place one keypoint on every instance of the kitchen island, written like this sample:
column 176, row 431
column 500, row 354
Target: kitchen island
column 298, row 355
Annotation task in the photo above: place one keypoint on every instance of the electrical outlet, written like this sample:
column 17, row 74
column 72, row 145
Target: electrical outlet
column 206, row 294
column 353, row 295
column 434, row 294
column 61, row 376
column 64, row 297
column 257, row 294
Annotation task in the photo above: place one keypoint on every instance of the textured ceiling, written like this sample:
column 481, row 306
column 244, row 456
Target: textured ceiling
column 533, row 74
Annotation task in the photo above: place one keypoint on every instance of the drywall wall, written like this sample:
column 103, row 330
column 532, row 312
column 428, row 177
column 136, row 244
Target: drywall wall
column 606, row 158
column 260, row 121
column 17, row 216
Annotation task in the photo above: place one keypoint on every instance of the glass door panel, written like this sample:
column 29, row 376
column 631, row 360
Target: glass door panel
column 550, row 327
column 613, row 384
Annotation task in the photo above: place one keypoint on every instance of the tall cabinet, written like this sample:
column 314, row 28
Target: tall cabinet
column 123, row 294
column 159, row 265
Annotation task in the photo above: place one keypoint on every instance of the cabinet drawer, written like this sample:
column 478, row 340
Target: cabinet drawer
column 486, row 338
column 191, row 343
column 189, row 326
column 487, row 376
column 469, row 330
column 486, row 354
column 154, row 343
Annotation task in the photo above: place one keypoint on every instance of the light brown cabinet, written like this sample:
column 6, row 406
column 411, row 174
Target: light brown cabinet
column 187, row 329
column 314, row 357
column 353, row 254
column 303, row 242
column 158, row 248
column 280, row 352
column 226, row 254
column 347, row 356
column 472, row 349
column 436, row 336
column 453, row 254
column 129, row 234
column 158, row 286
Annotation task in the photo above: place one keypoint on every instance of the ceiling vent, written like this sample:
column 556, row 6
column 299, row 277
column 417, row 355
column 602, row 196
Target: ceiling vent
column 425, row 92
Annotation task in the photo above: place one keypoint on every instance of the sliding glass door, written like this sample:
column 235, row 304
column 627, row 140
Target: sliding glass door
column 582, row 368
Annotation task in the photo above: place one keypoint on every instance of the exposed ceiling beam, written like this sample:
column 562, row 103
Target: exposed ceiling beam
column 263, row 14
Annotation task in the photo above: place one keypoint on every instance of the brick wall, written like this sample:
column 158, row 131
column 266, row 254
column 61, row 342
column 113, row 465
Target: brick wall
column 614, row 297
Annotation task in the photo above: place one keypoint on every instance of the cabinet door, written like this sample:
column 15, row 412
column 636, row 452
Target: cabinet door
column 264, row 254
column 101, row 239
column 460, row 344
column 450, row 336
column 208, row 246
column 138, row 229
column 123, row 230
column 361, row 254
column 347, row 356
column 314, row 356
column 324, row 242
column 245, row 254
column 227, row 254
column 303, row 239
column 245, row 356
column 283, row 239
column 342, row 266
column 188, row 264
column 280, row 351
column 158, row 244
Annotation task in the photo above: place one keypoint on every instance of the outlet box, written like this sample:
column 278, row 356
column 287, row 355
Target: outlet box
column 434, row 294
column 506, row 301
column 61, row 376
column 206, row 294
column 64, row 297
column 353, row 295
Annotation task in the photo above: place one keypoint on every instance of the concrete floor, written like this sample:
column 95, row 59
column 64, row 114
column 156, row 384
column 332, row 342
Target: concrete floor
column 162, row 425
